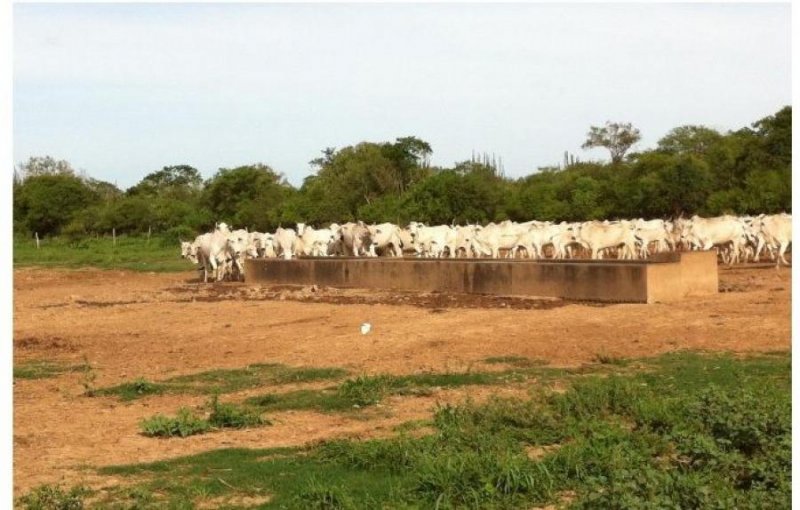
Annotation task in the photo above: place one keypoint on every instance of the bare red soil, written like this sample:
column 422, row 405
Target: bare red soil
column 129, row 325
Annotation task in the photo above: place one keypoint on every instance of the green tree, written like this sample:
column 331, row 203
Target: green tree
column 697, row 140
column 776, row 134
column 470, row 192
column 617, row 137
column 37, row 166
column 355, row 176
column 178, row 181
column 672, row 184
column 247, row 196
column 46, row 203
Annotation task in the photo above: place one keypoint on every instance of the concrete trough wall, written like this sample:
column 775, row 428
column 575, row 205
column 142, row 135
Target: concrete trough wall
column 668, row 277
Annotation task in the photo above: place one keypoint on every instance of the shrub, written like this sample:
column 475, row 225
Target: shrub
column 232, row 416
column 132, row 390
column 176, row 234
column 186, row 423
column 365, row 390
column 48, row 497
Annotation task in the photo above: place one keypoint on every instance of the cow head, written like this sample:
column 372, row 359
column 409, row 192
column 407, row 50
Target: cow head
column 237, row 243
column 189, row 251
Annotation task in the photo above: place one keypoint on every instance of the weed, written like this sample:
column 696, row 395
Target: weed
column 322, row 496
column 186, row 423
column 41, row 369
column 514, row 361
column 687, row 431
column 365, row 391
column 608, row 359
column 132, row 390
column 49, row 497
column 220, row 381
column 88, row 377
column 233, row 416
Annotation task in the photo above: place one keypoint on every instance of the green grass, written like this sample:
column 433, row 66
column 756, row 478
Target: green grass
column 365, row 391
column 221, row 381
column 42, row 369
column 134, row 253
column 187, row 423
column 514, row 361
column 685, row 430
column 54, row 497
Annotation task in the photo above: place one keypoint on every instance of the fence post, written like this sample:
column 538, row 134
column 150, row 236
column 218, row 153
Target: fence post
column 114, row 236
column 37, row 240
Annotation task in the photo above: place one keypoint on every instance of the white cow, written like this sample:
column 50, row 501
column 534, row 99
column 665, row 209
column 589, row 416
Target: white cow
column 776, row 232
column 503, row 236
column 212, row 253
column 466, row 241
column 355, row 239
column 540, row 235
column 238, row 248
column 599, row 236
column 432, row 241
column 263, row 244
column 706, row 233
column 316, row 243
column 284, row 242
column 189, row 251
column 385, row 236
column 651, row 231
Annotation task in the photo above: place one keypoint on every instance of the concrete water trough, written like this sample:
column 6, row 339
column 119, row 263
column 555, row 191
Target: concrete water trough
column 663, row 278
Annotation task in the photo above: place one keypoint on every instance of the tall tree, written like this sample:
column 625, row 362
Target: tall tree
column 247, row 196
column 182, row 179
column 614, row 136
column 44, row 165
column 697, row 140
column 45, row 203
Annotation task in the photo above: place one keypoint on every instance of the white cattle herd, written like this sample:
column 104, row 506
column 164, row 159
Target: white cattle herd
column 222, row 252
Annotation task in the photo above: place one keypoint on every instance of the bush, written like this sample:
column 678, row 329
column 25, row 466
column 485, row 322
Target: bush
column 48, row 497
column 177, row 234
column 183, row 425
column 365, row 390
column 232, row 416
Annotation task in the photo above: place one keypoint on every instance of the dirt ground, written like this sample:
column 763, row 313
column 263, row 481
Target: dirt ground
column 128, row 325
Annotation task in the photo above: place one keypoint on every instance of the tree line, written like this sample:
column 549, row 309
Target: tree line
column 692, row 170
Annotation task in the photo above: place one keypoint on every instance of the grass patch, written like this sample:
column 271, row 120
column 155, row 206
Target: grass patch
column 133, row 390
column 608, row 359
column 43, row 369
column 233, row 416
column 221, row 381
column 365, row 391
column 130, row 252
column 54, row 497
column 187, row 423
column 636, row 438
column 514, row 361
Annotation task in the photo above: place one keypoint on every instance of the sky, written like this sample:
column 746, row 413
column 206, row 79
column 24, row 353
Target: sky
column 121, row 90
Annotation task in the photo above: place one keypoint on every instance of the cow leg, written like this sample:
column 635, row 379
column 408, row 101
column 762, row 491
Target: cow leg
column 214, row 268
column 781, row 254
